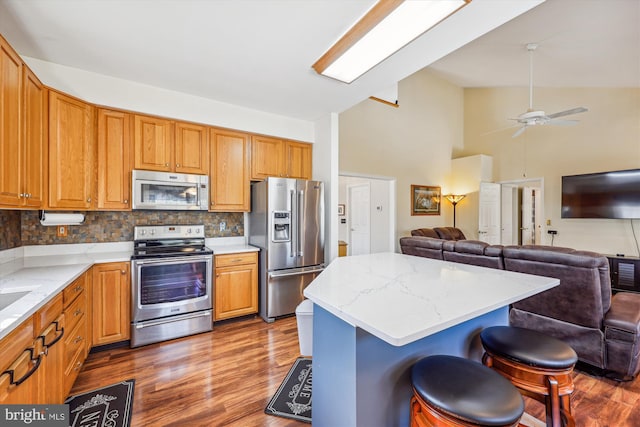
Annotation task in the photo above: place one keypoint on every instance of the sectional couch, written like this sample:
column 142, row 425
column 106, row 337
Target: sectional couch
column 604, row 329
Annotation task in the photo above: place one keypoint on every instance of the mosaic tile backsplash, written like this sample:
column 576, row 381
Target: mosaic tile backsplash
column 9, row 229
column 101, row 226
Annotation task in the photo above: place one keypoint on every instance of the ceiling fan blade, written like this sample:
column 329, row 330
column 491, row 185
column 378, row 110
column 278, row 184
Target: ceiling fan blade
column 519, row 132
column 567, row 112
column 563, row 122
column 499, row 130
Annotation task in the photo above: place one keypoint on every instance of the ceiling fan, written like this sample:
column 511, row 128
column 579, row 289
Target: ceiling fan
column 538, row 117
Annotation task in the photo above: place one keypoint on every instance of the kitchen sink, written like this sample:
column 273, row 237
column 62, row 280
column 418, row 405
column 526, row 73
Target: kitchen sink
column 9, row 298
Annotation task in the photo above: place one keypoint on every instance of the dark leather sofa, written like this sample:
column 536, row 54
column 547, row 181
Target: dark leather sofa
column 602, row 328
column 445, row 233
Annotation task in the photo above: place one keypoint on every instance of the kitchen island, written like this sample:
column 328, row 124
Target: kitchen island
column 376, row 315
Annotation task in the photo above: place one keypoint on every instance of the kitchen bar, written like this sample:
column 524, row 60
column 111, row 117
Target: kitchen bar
column 375, row 315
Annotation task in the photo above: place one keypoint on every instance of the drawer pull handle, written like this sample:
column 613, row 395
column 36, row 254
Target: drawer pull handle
column 78, row 339
column 77, row 288
column 78, row 312
column 34, row 368
column 78, row 366
column 55, row 340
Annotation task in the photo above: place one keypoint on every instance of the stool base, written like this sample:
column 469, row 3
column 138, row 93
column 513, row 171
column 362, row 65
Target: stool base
column 425, row 415
column 553, row 387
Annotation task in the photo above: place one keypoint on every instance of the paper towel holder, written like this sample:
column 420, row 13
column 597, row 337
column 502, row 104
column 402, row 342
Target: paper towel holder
column 50, row 218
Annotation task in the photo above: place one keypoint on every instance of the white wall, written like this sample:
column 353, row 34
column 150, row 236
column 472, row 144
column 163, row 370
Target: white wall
column 412, row 143
column 606, row 138
column 127, row 95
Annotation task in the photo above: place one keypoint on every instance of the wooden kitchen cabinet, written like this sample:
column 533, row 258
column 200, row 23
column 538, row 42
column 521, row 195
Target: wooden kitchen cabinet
column 236, row 285
column 18, row 352
column 114, row 160
column 281, row 158
column 49, row 320
column 71, row 152
column 162, row 145
column 230, row 185
column 111, row 294
column 10, row 122
column 22, row 141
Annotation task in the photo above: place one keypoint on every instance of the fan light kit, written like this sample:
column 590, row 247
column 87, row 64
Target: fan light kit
column 538, row 117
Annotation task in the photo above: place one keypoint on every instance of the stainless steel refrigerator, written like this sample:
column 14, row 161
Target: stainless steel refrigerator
column 287, row 223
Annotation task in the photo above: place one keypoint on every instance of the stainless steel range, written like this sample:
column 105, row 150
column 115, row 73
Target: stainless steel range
column 171, row 283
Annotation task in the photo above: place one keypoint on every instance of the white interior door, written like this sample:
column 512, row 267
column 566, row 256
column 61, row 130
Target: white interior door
column 528, row 229
column 489, row 213
column 509, row 215
column 359, row 201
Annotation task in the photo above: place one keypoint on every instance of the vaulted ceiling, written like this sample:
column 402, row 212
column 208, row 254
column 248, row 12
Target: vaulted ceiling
column 258, row 53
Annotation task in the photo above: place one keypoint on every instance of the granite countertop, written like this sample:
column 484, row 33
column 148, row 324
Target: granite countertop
column 401, row 298
column 44, row 271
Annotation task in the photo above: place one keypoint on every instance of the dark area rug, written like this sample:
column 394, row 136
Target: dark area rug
column 108, row 406
column 293, row 398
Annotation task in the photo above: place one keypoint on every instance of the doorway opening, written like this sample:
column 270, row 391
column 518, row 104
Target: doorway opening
column 367, row 222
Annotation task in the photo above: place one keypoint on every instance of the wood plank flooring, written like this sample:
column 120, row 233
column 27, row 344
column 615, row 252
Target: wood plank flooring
column 226, row 378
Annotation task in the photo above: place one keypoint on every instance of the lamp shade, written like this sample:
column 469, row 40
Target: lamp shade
column 455, row 198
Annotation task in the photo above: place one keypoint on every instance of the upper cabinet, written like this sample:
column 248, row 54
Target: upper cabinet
column 162, row 145
column 114, row 159
column 71, row 152
column 277, row 157
column 22, row 133
column 230, row 184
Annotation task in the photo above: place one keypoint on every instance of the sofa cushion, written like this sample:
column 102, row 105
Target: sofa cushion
column 449, row 233
column 425, row 232
column 473, row 252
column 584, row 293
column 422, row 246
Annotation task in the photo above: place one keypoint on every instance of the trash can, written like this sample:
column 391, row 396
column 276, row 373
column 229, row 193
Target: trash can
column 304, row 316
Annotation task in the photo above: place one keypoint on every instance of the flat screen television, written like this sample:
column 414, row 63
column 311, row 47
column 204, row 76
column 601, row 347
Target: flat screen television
column 613, row 194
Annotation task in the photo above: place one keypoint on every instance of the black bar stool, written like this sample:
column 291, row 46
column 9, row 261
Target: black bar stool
column 451, row 391
column 540, row 366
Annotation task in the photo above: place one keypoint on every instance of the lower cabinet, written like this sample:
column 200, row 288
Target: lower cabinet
column 236, row 285
column 111, row 303
column 75, row 319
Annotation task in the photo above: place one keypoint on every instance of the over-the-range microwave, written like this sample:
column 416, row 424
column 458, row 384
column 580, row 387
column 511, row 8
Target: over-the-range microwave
column 169, row 191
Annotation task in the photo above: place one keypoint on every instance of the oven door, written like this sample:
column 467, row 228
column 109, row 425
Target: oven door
column 169, row 286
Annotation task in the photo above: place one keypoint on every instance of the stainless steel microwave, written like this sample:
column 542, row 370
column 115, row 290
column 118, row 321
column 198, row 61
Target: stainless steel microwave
column 169, row 191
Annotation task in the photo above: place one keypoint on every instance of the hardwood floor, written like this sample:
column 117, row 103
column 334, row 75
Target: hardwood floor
column 226, row 378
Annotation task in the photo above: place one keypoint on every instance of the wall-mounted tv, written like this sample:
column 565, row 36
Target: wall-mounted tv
column 613, row 194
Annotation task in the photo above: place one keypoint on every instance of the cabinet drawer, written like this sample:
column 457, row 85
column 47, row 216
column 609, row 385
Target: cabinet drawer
column 74, row 289
column 74, row 358
column 75, row 312
column 229, row 260
column 48, row 314
column 13, row 344
column 75, row 342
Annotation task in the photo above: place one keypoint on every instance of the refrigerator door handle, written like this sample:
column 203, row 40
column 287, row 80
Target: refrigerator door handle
column 300, row 221
column 297, row 273
column 293, row 244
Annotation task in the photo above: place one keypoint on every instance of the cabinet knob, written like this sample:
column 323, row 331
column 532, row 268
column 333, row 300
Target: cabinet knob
column 213, row 203
column 126, row 201
column 166, row 164
column 123, row 271
column 177, row 165
column 21, row 195
column 89, row 199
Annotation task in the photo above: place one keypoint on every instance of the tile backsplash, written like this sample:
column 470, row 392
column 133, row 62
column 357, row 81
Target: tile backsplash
column 24, row 228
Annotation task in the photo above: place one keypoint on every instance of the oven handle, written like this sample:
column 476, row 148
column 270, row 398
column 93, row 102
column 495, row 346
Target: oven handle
column 297, row 273
column 173, row 260
column 172, row 319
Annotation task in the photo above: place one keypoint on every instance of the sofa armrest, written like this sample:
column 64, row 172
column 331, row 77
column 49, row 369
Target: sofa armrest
column 623, row 316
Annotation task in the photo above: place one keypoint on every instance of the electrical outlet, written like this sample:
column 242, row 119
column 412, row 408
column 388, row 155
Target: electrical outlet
column 223, row 226
column 61, row 231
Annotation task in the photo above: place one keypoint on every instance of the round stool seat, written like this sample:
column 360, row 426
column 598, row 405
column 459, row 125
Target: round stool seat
column 528, row 347
column 466, row 390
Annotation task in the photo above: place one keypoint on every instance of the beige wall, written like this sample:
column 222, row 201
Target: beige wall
column 412, row 143
column 607, row 138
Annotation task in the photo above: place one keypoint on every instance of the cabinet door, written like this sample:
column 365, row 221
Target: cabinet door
column 267, row 157
column 191, row 149
column 110, row 307
column 114, row 160
column 10, row 134
column 71, row 162
column 35, row 149
column 230, row 184
column 153, row 142
column 298, row 157
column 236, row 286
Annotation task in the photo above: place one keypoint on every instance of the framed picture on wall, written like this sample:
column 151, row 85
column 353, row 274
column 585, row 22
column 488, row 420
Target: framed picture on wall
column 425, row 200
column 341, row 210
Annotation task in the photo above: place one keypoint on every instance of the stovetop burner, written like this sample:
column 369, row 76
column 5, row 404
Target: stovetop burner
column 158, row 241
